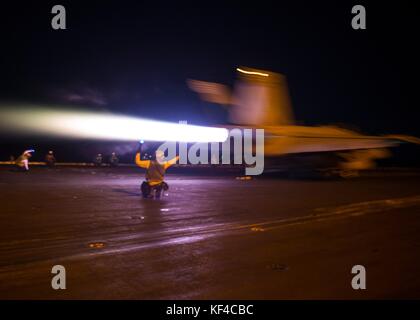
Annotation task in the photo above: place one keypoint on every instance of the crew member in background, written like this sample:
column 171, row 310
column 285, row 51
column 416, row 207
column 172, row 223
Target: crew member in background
column 50, row 159
column 155, row 173
column 113, row 160
column 98, row 160
column 22, row 162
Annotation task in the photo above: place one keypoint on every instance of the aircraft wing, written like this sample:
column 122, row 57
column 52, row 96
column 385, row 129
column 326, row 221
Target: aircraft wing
column 300, row 139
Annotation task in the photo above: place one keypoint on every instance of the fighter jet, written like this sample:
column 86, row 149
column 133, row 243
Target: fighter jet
column 260, row 99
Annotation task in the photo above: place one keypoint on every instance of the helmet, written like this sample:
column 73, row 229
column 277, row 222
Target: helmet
column 160, row 155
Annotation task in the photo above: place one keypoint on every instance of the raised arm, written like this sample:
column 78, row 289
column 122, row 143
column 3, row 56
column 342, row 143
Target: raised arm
column 142, row 163
column 171, row 162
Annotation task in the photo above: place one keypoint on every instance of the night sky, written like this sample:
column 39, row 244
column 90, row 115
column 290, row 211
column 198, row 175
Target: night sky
column 134, row 58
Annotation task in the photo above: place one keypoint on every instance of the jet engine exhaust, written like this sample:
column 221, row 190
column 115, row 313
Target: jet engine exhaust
column 104, row 126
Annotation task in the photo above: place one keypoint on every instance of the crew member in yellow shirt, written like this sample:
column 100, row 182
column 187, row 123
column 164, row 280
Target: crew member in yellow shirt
column 155, row 173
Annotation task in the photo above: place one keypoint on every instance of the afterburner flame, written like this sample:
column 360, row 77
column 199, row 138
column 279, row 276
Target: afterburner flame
column 81, row 124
